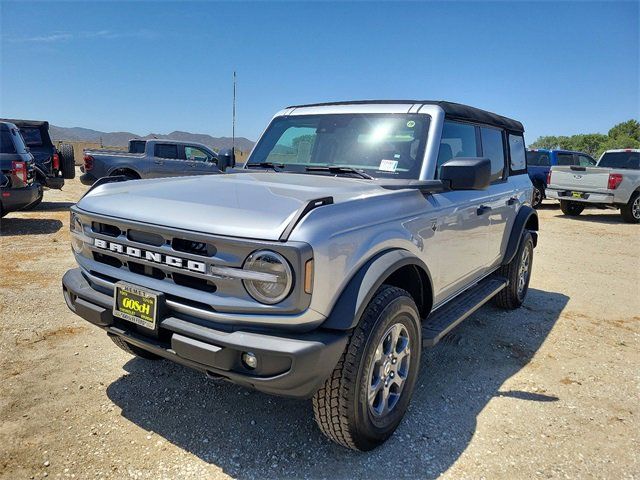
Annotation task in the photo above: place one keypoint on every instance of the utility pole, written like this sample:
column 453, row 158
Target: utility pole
column 233, row 122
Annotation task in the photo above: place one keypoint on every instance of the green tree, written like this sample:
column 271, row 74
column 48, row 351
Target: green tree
column 629, row 129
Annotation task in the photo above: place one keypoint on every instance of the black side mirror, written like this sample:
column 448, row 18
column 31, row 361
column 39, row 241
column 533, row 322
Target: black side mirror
column 469, row 173
column 226, row 159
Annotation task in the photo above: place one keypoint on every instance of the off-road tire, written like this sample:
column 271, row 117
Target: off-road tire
column 132, row 349
column 511, row 297
column 572, row 209
column 633, row 205
column 67, row 161
column 538, row 196
column 340, row 406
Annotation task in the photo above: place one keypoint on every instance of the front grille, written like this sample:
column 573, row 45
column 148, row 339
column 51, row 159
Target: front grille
column 106, row 229
column 193, row 282
column 146, row 237
column 196, row 248
column 107, row 259
column 146, row 270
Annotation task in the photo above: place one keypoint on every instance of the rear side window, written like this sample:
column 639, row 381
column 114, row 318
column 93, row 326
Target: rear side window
column 6, row 142
column 517, row 155
column 493, row 149
column 163, row 150
column 457, row 140
column 566, row 159
column 32, row 136
column 538, row 159
column 136, row 147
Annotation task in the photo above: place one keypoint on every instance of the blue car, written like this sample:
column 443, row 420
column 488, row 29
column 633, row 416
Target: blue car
column 540, row 161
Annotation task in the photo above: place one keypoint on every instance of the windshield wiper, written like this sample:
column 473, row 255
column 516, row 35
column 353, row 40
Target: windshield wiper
column 275, row 166
column 339, row 170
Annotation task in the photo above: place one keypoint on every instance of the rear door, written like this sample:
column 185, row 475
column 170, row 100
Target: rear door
column 199, row 161
column 166, row 161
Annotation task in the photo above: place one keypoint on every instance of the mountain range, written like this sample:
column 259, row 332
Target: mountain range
column 121, row 139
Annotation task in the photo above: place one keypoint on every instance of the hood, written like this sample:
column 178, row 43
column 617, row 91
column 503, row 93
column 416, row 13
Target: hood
column 256, row 205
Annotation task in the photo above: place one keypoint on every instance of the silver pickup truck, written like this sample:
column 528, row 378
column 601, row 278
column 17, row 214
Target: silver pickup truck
column 357, row 234
column 152, row 159
column 613, row 183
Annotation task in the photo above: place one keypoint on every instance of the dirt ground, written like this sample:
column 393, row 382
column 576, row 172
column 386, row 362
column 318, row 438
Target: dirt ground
column 548, row 391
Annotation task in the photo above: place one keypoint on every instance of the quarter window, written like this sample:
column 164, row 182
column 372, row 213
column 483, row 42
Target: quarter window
column 457, row 140
column 517, row 154
column 493, row 149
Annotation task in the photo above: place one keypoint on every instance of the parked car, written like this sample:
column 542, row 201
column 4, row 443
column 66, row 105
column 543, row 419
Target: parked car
column 52, row 165
column 152, row 159
column 358, row 233
column 540, row 161
column 613, row 183
column 18, row 190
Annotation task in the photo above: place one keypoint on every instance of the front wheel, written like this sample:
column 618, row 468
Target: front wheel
column 631, row 211
column 572, row 209
column 364, row 400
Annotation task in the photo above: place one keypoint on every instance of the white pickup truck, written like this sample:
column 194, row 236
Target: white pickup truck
column 613, row 183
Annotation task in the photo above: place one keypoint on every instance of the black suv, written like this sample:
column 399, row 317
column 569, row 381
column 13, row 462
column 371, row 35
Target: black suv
column 52, row 165
column 17, row 187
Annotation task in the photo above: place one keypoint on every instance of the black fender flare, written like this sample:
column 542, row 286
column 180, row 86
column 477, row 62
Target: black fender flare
column 365, row 283
column 115, row 169
column 526, row 219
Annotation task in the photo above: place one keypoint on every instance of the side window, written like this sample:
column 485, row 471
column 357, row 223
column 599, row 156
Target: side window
column 6, row 142
column 164, row 150
column 457, row 140
column 195, row 154
column 294, row 146
column 586, row 161
column 566, row 159
column 493, row 149
column 517, row 155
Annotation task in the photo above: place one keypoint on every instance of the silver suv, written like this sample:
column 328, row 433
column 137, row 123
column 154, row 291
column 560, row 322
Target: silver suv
column 357, row 234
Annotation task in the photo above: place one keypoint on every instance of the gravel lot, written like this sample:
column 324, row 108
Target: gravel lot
column 547, row 391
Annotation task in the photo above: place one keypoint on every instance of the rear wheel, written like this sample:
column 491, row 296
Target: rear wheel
column 132, row 349
column 572, row 209
column 518, row 273
column 67, row 161
column 365, row 398
column 538, row 195
column 631, row 211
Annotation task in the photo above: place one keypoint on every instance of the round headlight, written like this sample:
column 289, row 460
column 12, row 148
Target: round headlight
column 77, row 235
column 273, row 277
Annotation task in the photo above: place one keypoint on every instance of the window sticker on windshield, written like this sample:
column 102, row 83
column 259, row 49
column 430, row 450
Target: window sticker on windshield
column 388, row 165
column 411, row 124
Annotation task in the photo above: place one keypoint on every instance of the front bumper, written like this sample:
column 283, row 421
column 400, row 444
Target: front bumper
column 587, row 197
column 17, row 198
column 88, row 179
column 293, row 365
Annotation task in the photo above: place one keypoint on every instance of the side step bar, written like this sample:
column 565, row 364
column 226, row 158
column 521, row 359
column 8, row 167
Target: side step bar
column 447, row 317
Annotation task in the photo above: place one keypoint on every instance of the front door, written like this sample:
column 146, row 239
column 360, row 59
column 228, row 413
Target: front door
column 166, row 161
column 199, row 161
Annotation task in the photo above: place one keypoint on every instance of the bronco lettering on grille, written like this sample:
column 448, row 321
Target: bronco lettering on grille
column 149, row 256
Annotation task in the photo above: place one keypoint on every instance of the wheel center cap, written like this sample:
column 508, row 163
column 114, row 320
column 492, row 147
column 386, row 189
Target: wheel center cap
column 387, row 368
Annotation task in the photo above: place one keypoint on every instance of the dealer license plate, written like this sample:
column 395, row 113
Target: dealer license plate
column 135, row 304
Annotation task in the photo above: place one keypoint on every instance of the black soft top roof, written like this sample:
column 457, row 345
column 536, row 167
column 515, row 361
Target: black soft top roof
column 26, row 123
column 452, row 110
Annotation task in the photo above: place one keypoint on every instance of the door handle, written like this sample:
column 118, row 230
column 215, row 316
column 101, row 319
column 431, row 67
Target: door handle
column 158, row 162
column 482, row 209
column 513, row 201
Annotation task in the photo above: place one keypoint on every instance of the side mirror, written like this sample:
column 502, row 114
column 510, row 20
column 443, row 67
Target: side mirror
column 226, row 159
column 466, row 173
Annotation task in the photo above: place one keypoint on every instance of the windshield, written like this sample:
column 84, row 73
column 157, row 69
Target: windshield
column 620, row 160
column 381, row 145
column 538, row 159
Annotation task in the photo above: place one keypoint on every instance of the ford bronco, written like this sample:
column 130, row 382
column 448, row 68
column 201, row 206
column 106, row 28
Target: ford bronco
column 357, row 234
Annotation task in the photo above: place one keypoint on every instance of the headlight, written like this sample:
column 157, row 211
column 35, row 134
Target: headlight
column 77, row 233
column 273, row 277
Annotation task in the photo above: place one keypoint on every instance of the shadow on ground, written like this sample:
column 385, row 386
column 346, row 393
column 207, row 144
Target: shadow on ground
column 252, row 435
column 54, row 206
column 589, row 215
column 28, row 226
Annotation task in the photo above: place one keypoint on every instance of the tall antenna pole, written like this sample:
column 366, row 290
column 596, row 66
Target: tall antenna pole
column 233, row 123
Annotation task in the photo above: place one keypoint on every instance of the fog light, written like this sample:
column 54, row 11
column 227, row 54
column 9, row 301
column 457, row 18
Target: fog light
column 250, row 361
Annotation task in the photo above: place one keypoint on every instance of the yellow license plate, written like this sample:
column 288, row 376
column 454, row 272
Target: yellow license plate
column 576, row 194
column 136, row 305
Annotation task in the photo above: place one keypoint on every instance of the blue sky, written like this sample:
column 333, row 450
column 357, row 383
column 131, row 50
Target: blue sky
column 560, row 68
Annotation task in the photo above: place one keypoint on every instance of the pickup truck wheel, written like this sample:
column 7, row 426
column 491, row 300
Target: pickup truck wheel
column 67, row 161
column 573, row 209
column 538, row 195
column 518, row 273
column 365, row 398
column 631, row 211
column 132, row 349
